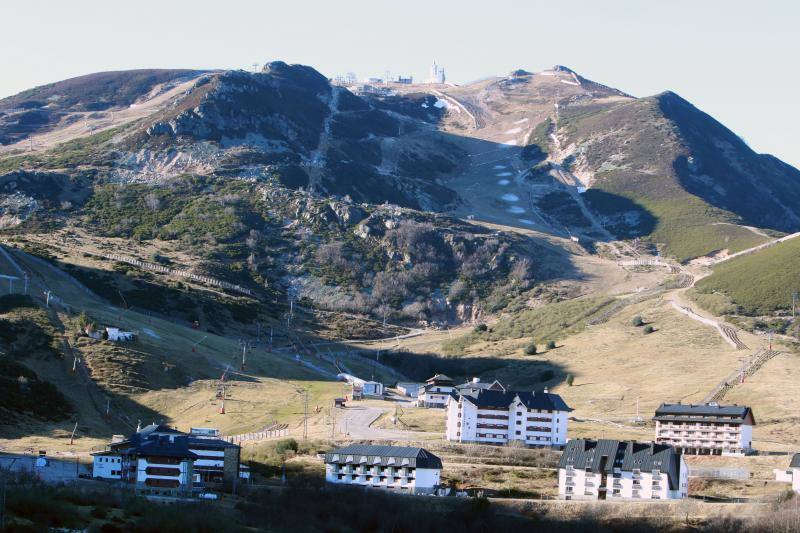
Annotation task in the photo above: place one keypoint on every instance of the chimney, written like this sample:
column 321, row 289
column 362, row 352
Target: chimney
column 476, row 380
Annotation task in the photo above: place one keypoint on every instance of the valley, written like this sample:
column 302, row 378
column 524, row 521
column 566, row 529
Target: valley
column 267, row 236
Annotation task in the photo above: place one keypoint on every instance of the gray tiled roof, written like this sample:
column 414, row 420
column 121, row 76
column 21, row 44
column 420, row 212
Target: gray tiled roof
column 795, row 461
column 732, row 414
column 417, row 457
column 625, row 455
column 532, row 400
column 440, row 377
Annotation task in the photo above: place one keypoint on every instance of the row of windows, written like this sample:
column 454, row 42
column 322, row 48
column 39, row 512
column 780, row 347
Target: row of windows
column 109, row 460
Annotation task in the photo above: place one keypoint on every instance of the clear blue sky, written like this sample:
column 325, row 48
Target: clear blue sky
column 736, row 60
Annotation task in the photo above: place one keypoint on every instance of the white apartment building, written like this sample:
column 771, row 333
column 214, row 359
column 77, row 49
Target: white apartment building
column 498, row 417
column 398, row 468
column 436, row 392
column 107, row 465
column 705, row 429
column 792, row 474
column 621, row 470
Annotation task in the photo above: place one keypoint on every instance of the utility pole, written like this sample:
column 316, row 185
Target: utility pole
column 305, row 415
column 47, row 298
column 244, row 355
column 794, row 303
column 72, row 437
column 255, row 67
column 333, row 418
column 26, row 278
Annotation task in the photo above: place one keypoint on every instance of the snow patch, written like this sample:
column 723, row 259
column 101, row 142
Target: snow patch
column 424, row 105
column 521, row 121
column 569, row 82
column 517, row 210
column 501, row 174
column 503, row 182
column 527, row 221
column 508, row 197
column 581, row 190
column 511, row 142
column 499, row 167
column 441, row 103
column 512, row 131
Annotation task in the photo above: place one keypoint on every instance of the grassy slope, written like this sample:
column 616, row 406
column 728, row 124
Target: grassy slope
column 759, row 283
column 638, row 152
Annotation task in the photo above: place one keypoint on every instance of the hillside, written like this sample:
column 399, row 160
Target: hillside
column 757, row 284
column 661, row 168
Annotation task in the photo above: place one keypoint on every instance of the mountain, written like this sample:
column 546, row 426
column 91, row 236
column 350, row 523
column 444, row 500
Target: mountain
column 363, row 197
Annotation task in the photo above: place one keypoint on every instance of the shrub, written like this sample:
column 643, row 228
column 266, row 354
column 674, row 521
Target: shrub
column 480, row 328
column 648, row 330
column 551, row 345
column 285, row 446
column 530, row 349
column 570, row 379
column 637, row 321
column 99, row 512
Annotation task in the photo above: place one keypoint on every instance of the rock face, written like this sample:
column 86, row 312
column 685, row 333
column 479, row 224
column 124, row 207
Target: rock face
column 288, row 121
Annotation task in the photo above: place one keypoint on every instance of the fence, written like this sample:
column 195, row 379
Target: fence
column 719, row 473
column 271, row 432
column 182, row 273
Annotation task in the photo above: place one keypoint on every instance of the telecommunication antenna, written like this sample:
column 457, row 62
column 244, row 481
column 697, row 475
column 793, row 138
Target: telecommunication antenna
column 255, row 67
column 244, row 355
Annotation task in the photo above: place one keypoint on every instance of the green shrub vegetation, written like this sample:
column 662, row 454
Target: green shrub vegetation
column 757, row 284
column 530, row 349
column 551, row 322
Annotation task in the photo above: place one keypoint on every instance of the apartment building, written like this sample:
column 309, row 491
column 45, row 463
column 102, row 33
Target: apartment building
column 621, row 470
column 435, row 392
column 791, row 474
column 499, row 416
column 209, row 460
column 705, row 429
column 398, row 468
column 475, row 385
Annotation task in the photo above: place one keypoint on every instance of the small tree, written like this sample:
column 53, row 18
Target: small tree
column 637, row 321
column 480, row 328
column 551, row 345
column 570, row 379
column 531, row 349
column 648, row 330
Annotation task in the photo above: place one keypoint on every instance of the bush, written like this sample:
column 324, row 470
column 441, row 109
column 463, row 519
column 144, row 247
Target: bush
column 99, row 512
column 547, row 375
column 637, row 321
column 551, row 345
column 480, row 328
column 530, row 349
column 570, row 379
column 648, row 330
column 285, row 446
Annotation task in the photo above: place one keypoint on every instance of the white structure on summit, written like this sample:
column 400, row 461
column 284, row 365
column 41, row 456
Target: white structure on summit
column 437, row 74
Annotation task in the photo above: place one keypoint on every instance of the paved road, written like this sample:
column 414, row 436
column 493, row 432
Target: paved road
column 355, row 422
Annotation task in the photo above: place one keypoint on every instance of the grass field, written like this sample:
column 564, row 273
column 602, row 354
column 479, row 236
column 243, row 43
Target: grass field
column 760, row 283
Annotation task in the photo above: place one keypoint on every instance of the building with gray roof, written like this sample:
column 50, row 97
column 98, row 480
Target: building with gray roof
column 501, row 416
column 705, row 429
column 400, row 468
column 612, row 469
